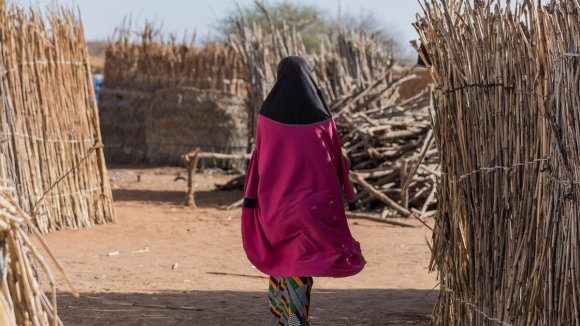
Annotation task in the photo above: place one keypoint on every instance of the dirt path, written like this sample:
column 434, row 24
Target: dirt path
column 182, row 266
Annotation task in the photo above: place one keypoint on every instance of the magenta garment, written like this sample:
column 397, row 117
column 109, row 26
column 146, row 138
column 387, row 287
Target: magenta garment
column 298, row 227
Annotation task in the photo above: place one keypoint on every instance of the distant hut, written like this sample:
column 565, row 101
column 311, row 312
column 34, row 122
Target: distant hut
column 161, row 99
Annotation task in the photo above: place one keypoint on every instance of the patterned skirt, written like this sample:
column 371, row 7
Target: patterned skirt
column 290, row 300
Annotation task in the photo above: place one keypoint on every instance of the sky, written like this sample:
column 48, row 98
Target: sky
column 100, row 17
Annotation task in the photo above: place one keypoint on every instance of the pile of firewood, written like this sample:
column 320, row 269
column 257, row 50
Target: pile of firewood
column 385, row 141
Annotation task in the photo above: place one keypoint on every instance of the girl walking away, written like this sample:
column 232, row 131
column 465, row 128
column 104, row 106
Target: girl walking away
column 293, row 218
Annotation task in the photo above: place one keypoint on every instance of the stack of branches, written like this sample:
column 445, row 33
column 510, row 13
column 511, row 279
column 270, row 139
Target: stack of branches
column 505, row 243
column 389, row 144
column 350, row 60
column 22, row 300
column 383, row 134
column 51, row 149
column 260, row 51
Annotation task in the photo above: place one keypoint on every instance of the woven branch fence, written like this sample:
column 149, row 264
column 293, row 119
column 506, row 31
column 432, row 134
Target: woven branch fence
column 505, row 243
column 151, row 83
column 383, row 134
column 51, row 150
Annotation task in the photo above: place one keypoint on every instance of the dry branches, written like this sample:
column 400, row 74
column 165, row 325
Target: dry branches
column 22, row 301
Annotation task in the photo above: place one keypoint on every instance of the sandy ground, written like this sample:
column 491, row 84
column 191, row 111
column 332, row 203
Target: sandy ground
column 183, row 266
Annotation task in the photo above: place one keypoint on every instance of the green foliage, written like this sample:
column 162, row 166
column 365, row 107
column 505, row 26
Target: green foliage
column 306, row 19
column 309, row 20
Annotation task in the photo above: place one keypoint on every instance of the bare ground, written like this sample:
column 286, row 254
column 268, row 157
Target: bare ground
column 166, row 264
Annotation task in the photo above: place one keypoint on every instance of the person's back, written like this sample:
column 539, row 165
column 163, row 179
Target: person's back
column 293, row 220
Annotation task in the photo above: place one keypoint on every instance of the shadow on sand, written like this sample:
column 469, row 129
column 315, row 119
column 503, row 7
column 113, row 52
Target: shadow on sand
column 328, row 307
column 203, row 199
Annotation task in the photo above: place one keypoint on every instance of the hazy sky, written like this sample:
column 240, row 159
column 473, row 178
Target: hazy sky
column 102, row 16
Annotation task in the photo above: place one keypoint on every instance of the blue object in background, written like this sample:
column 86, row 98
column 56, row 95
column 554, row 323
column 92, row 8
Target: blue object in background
column 97, row 81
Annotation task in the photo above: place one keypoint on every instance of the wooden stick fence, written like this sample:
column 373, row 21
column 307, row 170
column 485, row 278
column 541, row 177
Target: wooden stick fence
column 506, row 233
column 191, row 160
column 561, row 203
column 51, row 148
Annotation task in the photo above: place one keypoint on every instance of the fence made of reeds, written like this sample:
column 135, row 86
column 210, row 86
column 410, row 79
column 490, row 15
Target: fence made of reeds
column 51, row 150
column 560, row 260
column 505, row 123
column 383, row 134
column 150, row 80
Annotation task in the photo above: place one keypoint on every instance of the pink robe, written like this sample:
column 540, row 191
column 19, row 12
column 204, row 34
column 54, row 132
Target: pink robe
column 298, row 227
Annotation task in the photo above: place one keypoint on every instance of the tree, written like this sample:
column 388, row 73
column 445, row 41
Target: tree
column 308, row 20
column 368, row 21
column 305, row 19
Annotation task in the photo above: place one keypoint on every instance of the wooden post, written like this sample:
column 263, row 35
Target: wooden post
column 404, row 190
column 379, row 195
column 191, row 160
column 191, row 167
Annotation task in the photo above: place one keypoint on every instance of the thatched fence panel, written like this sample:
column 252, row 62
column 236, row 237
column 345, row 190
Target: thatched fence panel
column 52, row 152
column 505, row 123
column 561, row 21
column 22, row 299
column 150, row 63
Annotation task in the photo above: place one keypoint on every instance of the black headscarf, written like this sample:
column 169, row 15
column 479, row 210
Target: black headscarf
column 295, row 99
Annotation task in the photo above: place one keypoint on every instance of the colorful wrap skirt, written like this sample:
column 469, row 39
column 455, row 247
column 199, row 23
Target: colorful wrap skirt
column 290, row 300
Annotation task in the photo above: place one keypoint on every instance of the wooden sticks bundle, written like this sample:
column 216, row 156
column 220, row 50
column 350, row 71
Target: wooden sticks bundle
column 51, row 148
column 22, row 300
